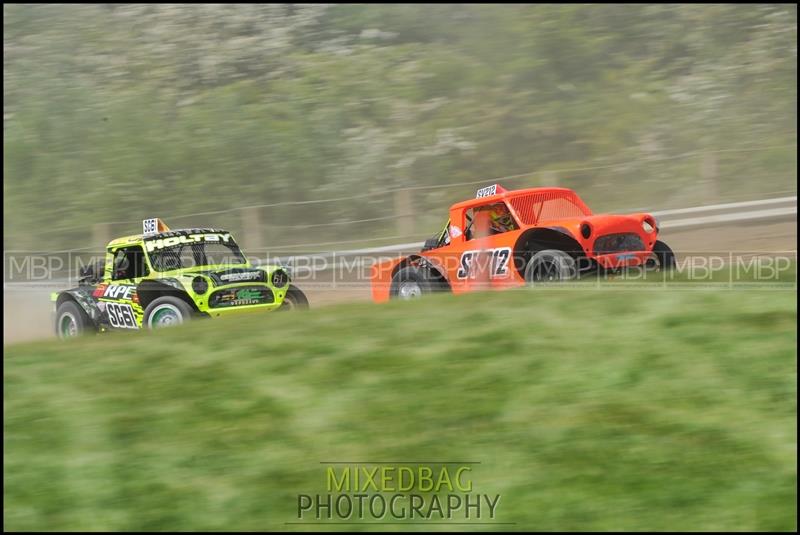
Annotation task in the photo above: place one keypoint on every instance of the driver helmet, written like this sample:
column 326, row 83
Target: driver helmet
column 501, row 219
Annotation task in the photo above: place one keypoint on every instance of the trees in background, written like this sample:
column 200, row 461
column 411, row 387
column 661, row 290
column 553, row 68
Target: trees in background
column 114, row 113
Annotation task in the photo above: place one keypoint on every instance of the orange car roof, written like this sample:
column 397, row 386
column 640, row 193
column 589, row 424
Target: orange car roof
column 481, row 201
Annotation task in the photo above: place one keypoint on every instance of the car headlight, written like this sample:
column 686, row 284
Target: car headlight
column 280, row 278
column 199, row 285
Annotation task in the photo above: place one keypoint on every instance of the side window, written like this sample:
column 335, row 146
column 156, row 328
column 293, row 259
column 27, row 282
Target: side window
column 489, row 220
column 129, row 263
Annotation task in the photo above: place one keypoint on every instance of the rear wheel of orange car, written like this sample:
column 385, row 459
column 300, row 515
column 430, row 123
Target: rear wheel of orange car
column 550, row 265
column 410, row 283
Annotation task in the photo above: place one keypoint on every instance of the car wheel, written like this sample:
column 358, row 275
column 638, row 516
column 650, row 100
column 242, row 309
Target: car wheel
column 550, row 265
column 166, row 311
column 410, row 283
column 663, row 258
column 71, row 320
column 295, row 299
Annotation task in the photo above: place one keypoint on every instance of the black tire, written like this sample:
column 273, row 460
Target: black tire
column 663, row 258
column 294, row 299
column 166, row 311
column 411, row 283
column 71, row 320
column 550, row 265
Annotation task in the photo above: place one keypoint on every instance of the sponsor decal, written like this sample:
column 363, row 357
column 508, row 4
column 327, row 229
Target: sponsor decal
column 240, row 276
column 248, row 294
column 240, row 297
column 498, row 262
column 98, row 292
column 161, row 243
column 122, row 292
column 455, row 231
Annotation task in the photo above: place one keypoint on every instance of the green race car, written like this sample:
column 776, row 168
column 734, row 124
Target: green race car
column 165, row 277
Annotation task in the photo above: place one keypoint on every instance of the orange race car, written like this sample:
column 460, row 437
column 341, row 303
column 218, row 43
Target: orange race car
column 509, row 238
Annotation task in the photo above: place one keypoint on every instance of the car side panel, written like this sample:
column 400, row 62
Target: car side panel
column 119, row 305
column 480, row 263
column 381, row 278
column 83, row 296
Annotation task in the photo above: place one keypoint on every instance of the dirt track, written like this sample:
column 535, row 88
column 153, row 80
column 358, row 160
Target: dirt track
column 27, row 311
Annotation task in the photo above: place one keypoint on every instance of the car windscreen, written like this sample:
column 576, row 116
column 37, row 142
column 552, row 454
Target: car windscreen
column 188, row 255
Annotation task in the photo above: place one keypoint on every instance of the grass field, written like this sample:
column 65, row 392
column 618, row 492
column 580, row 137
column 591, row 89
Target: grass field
column 587, row 409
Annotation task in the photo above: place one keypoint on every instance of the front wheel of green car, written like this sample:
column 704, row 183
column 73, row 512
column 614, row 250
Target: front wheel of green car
column 71, row 320
column 295, row 299
column 166, row 311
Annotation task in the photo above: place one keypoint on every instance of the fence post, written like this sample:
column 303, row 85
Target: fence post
column 708, row 172
column 403, row 209
column 251, row 230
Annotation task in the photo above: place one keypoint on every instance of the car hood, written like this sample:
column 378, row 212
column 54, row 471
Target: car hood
column 601, row 223
column 233, row 275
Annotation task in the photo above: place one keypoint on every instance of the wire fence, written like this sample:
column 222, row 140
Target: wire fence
column 402, row 214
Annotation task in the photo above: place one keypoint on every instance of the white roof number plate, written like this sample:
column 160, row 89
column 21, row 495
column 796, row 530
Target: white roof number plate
column 150, row 227
column 487, row 191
